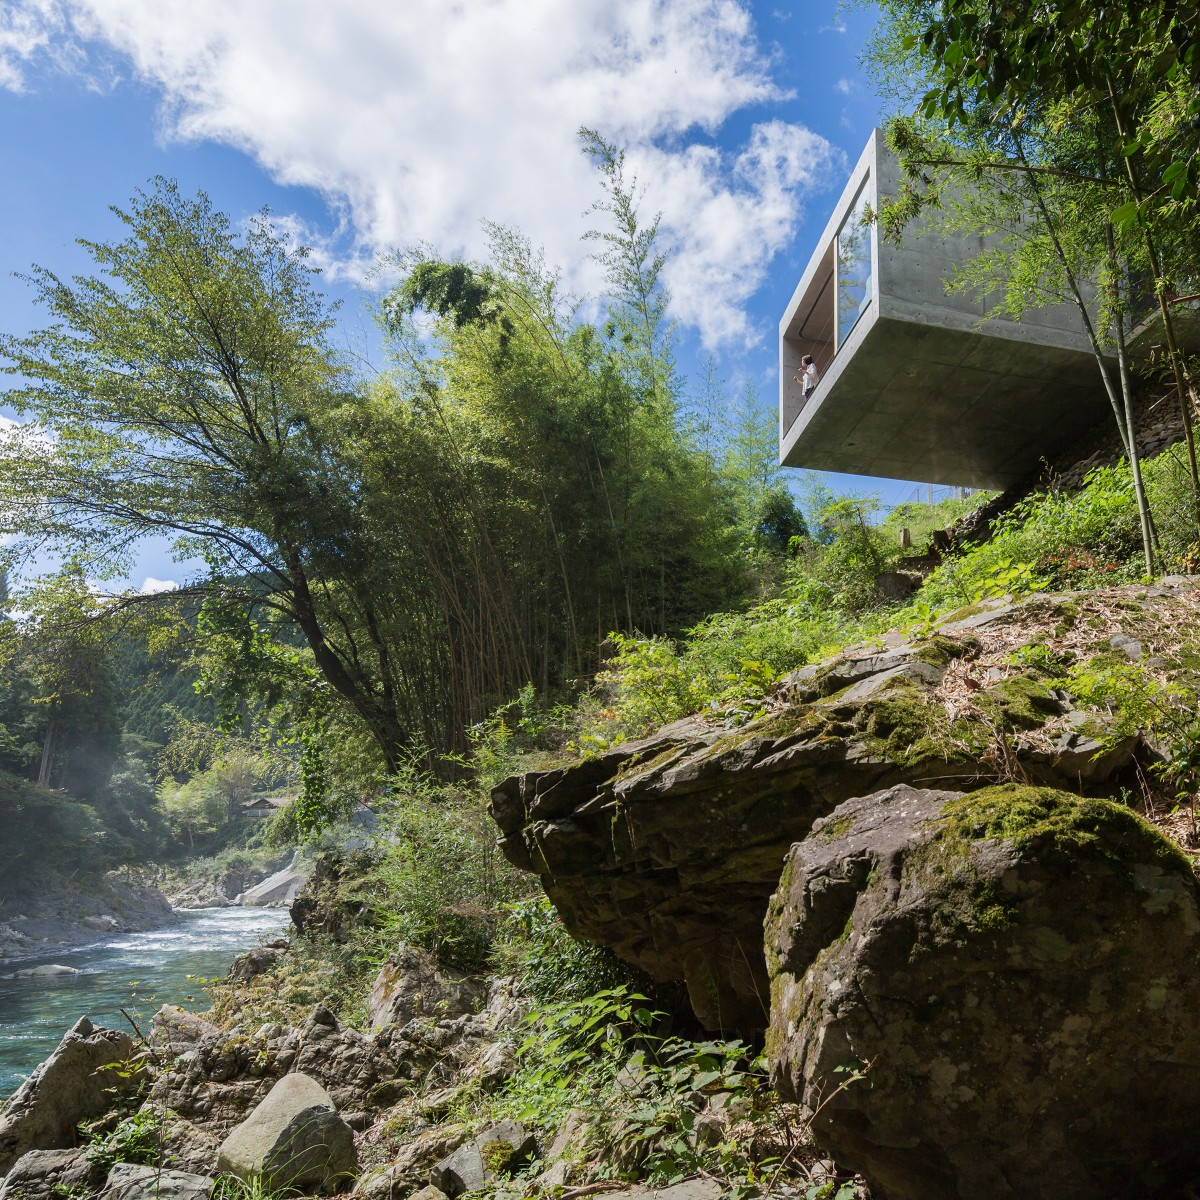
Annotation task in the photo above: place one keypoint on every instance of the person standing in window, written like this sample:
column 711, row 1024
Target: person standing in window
column 807, row 376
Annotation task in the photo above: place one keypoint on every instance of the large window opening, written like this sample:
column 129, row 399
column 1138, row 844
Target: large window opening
column 853, row 268
column 837, row 294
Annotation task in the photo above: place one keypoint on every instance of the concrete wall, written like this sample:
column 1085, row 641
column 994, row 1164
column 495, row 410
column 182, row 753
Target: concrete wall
column 913, row 275
column 792, row 345
column 925, row 387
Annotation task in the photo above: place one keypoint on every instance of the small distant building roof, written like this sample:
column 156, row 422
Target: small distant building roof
column 266, row 804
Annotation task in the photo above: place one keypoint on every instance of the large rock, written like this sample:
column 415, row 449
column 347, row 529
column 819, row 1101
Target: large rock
column 293, row 1139
column 79, row 1080
column 668, row 849
column 278, row 890
column 1017, row 973
column 174, row 1029
column 129, row 1182
column 42, row 1173
column 410, row 984
column 492, row 1154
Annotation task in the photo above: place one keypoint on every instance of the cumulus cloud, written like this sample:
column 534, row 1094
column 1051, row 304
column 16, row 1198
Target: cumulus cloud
column 728, row 219
column 151, row 586
column 845, row 87
column 418, row 120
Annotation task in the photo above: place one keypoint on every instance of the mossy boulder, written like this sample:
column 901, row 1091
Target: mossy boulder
column 1015, row 974
column 493, row 1154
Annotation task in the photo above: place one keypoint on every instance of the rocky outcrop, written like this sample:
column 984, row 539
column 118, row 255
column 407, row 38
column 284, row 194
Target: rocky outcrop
column 991, row 996
column 225, row 1074
column 256, row 961
column 225, row 889
column 41, row 1173
column 668, row 849
column 279, row 890
column 411, row 984
column 127, row 1181
column 79, row 1080
column 49, row 910
column 495, row 1153
column 293, row 1139
column 174, row 1030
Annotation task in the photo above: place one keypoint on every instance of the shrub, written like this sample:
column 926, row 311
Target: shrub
column 136, row 1139
column 440, row 882
column 551, row 964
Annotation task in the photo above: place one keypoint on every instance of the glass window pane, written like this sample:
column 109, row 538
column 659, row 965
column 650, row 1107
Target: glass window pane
column 853, row 267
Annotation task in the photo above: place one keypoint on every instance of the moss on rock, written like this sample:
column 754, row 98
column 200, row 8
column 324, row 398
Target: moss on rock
column 1058, row 823
column 1019, row 703
column 498, row 1157
column 907, row 726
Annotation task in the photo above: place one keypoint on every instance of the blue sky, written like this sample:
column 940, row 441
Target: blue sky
column 367, row 126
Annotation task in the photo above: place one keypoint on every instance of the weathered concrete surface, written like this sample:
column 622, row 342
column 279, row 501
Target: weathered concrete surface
column 927, row 385
column 1018, row 974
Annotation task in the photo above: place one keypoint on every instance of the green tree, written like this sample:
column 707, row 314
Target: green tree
column 1101, row 101
column 603, row 506
column 768, row 515
column 60, row 679
column 191, row 389
column 195, row 809
column 405, row 552
column 633, row 260
column 1015, row 143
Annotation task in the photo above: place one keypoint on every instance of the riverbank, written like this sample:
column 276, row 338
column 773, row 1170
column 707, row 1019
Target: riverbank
column 60, row 912
column 122, row 979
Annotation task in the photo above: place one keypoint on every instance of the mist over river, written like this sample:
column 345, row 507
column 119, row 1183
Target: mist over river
column 135, row 971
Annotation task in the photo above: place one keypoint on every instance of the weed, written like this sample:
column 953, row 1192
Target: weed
column 135, row 1139
column 536, row 947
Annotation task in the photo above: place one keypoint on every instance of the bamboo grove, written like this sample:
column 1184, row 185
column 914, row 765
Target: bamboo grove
column 404, row 550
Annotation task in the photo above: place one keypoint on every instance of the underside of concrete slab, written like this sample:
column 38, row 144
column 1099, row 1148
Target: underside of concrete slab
column 948, row 406
column 921, row 380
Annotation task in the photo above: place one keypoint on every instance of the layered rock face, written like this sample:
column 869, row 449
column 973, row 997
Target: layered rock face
column 1016, row 973
column 668, row 849
column 77, row 1081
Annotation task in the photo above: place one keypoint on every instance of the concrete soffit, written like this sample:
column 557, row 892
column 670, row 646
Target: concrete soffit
column 926, row 386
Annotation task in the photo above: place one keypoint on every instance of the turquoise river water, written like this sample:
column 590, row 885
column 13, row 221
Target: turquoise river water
column 137, row 972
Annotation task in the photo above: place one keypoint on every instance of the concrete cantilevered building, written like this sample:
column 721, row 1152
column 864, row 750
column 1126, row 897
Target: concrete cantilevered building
column 917, row 384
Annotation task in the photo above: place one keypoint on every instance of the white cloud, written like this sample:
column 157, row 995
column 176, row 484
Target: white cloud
column 844, row 87
column 735, row 217
column 26, row 30
column 30, row 436
column 418, row 120
column 151, row 586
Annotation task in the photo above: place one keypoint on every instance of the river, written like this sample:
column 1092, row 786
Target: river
column 135, row 971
